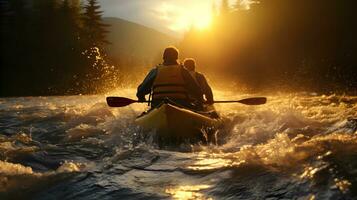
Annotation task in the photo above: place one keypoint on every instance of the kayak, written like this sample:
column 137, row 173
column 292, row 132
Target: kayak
column 170, row 121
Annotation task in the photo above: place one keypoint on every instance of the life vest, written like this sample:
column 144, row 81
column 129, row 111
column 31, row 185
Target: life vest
column 169, row 83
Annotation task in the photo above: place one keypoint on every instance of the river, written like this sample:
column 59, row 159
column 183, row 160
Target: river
column 297, row 146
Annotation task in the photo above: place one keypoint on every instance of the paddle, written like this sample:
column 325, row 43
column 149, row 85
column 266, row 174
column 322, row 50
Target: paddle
column 122, row 101
column 254, row 101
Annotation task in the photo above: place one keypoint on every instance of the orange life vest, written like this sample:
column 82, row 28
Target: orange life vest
column 169, row 83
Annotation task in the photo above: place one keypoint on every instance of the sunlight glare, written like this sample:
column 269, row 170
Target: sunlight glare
column 187, row 192
column 246, row 4
column 181, row 18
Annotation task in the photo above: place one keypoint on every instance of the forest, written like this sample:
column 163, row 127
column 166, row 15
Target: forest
column 53, row 47
column 278, row 45
column 58, row 47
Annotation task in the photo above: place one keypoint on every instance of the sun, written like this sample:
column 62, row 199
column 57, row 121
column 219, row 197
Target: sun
column 201, row 20
column 181, row 18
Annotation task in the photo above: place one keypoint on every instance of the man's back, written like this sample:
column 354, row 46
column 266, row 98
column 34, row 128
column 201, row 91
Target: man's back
column 170, row 82
column 200, row 79
column 205, row 88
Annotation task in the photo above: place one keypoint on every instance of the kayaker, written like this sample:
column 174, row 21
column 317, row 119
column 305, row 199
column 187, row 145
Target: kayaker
column 171, row 81
column 190, row 65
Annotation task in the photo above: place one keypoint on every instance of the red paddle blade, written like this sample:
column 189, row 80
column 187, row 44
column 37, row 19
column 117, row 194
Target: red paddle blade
column 119, row 101
column 254, row 101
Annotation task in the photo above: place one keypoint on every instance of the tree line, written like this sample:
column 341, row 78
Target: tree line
column 53, row 47
column 278, row 44
column 56, row 47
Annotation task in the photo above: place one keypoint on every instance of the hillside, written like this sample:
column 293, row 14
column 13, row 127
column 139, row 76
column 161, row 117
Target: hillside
column 131, row 41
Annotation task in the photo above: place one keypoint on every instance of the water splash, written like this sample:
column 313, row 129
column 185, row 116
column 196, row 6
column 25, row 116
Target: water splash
column 295, row 146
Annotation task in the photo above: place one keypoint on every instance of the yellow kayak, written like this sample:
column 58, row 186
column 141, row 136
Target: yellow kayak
column 171, row 121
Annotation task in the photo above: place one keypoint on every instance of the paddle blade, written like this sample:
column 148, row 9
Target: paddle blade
column 254, row 101
column 119, row 101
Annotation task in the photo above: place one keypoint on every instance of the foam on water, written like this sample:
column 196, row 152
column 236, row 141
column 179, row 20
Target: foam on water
column 295, row 146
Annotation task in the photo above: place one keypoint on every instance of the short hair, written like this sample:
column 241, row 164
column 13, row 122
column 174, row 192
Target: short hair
column 190, row 64
column 171, row 54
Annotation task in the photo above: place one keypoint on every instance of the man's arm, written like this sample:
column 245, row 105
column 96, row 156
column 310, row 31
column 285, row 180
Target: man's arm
column 206, row 89
column 145, row 87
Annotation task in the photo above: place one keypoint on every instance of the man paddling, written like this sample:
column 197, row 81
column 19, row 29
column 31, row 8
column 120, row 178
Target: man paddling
column 190, row 65
column 170, row 81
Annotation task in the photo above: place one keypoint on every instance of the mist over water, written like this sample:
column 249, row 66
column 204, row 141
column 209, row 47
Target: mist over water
column 298, row 145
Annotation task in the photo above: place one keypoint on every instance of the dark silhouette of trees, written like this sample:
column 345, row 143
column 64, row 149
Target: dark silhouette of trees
column 300, row 44
column 94, row 29
column 57, row 46
column 94, row 39
column 45, row 45
column 14, row 40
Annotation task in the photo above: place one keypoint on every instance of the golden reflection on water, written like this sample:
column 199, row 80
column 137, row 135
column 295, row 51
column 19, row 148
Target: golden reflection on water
column 187, row 192
column 342, row 185
column 209, row 161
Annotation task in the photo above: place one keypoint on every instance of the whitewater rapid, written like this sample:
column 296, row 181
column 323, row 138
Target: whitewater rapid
column 297, row 146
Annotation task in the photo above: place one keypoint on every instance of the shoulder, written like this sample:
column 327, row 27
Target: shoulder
column 152, row 72
column 200, row 75
column 183, row 70
column 156, row 67
column 184, row 73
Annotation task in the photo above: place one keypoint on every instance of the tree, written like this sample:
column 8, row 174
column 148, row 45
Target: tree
column 49, row 47
column 94, row 31
column 14, row 35
column 312, row 43
column 98, row 72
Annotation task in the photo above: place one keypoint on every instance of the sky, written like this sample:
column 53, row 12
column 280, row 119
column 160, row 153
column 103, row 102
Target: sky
column 169, row 16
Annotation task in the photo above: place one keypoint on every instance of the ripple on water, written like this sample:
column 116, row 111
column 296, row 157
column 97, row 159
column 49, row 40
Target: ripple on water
column 295, row 146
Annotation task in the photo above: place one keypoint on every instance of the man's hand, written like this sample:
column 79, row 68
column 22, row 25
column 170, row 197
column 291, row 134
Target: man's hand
column 141, row 99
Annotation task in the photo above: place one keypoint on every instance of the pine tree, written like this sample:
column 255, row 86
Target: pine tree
column 71, row 48
column 97, row 70
column 14, row 39
column 94, row 30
